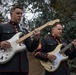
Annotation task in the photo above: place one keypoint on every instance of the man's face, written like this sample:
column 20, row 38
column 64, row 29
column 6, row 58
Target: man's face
column 57, row 30
column 16, row 15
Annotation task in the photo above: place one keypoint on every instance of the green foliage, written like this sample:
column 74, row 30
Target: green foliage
column 61, row 9
column 70, row 30
column 65, row 7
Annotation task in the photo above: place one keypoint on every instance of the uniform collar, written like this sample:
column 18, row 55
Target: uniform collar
column 13, row 23
column 59, row 40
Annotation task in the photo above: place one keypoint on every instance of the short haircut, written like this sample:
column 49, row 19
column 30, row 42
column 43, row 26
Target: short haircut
column 55, row 24
column 15, row 7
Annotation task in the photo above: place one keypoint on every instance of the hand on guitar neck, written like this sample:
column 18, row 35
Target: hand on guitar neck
column 74, row 43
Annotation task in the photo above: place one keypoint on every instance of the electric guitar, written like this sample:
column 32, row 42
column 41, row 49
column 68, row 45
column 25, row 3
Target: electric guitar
column 60, row 56
column 17, row 43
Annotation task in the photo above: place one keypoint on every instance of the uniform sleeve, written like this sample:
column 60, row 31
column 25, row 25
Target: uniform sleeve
column 40, row 51
column 31, row 44
column 71, row 53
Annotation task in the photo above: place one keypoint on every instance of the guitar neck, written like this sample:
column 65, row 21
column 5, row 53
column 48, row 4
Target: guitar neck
column 30, row 33
column 65, row 48
column 40, row 28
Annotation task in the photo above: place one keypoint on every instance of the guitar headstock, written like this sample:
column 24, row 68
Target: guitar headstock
column 48, row 24
column 52, row 22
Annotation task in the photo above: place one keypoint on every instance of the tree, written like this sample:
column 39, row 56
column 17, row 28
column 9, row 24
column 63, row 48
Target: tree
column 48, row 10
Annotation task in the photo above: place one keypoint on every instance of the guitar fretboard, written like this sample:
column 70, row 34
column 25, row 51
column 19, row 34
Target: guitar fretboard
column 65, row 48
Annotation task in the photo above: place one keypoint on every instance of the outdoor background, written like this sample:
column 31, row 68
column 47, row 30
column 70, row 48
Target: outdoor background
column 37, row 13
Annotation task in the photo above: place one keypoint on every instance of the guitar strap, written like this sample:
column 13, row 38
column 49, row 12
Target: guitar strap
column 58, row 41
column 61, row 41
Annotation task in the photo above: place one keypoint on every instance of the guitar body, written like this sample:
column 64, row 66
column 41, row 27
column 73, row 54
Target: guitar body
column 6, row 55
column 52, row 66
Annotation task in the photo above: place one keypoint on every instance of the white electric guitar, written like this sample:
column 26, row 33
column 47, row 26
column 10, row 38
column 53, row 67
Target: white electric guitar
column 59, row 53
column 17, row 43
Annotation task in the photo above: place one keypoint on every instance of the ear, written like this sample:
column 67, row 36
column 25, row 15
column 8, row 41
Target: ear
column 52, row 29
